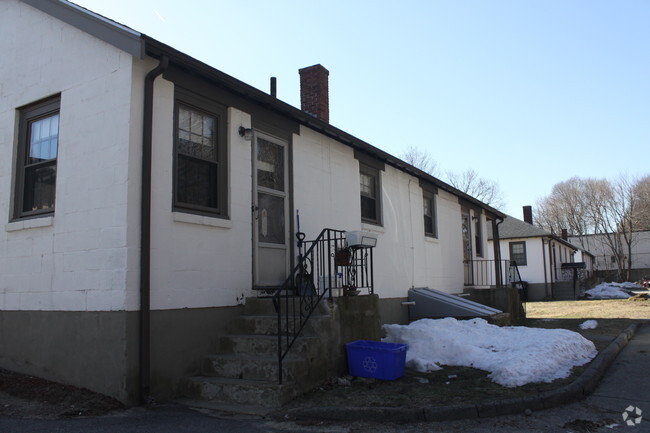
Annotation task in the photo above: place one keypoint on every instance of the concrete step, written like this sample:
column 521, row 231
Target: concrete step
column 268, row 325
column 564, row 292
column 239, row 391
column 265, row 306
column 237, row 411
column 265, row 345
column 249, row 367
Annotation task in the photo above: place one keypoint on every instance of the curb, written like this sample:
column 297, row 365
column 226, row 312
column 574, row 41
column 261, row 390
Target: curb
column 575, row 391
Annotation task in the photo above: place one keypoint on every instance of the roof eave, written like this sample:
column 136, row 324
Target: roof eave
column 549, row 236
column 157, row 49
column 111, row 32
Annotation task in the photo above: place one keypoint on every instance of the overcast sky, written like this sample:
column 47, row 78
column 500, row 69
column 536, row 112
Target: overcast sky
column 526, row 92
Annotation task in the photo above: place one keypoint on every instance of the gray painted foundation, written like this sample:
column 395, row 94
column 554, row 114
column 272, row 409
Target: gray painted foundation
column 93, row 350
column 357, row 318
column 505, row 299
column 179, row 338
column 537, row 292
column 99, row 350
column 391, row 311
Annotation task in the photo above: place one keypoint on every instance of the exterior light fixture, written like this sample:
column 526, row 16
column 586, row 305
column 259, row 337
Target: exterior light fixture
column 247, row 133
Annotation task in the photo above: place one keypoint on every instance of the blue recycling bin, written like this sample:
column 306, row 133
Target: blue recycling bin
column 376, row 359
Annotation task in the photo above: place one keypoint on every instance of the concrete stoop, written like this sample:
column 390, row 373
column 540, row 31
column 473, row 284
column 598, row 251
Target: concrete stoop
column 563, row 291
column 244, row 369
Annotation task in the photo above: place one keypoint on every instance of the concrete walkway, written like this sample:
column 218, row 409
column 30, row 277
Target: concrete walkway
column 627, row 381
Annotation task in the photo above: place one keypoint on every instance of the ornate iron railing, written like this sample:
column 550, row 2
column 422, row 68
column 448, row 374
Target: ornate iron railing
column 328, row 267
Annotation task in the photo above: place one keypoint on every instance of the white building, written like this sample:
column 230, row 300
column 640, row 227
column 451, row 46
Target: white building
column 604, row 259
column 539, row 255
column 100, row 234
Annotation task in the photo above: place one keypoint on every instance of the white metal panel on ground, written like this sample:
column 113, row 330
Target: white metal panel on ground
column 430, row 303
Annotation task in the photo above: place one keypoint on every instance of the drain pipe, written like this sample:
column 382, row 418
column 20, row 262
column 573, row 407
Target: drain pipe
column 496, row 245
column 546, row 291
column 145, row 233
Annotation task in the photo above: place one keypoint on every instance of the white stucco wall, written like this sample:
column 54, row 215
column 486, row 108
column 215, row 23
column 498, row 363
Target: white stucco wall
column 75, row 260
column 199, row 261
column 326, row 192
column 86, row 257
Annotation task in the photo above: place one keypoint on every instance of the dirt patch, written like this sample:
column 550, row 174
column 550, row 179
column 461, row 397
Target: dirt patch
column 586, row 426
column 23, row 396
column 588, row 309
column 451, row 385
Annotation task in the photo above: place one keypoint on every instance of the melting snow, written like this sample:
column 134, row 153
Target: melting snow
column 514, row 356
column 589, row 324
column 612, row 290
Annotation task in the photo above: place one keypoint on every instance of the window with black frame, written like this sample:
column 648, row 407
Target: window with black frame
column 518, row 253
column 200, row 174
column 370, row 195
column 429, row 202
column 38, row 145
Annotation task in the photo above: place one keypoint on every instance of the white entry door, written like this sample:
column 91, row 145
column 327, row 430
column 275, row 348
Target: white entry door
column 270, row 211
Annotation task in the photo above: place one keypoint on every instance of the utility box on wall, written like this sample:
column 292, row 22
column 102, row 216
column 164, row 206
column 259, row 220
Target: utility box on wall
column 360, row 239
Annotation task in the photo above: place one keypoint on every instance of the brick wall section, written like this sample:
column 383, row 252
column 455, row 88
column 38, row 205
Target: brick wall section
column 314, row 92
column 528, row 214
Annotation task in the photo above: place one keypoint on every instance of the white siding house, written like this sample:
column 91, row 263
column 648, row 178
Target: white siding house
column 94, row 261
column 603, row 257
column 539, row 256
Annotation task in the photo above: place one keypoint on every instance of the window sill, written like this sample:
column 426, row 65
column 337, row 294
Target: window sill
column 373, row 228
column 31, row 223
column 431, row 239
column 201, row 220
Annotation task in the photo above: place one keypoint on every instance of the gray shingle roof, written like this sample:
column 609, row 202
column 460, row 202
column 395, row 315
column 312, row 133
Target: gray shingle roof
column 513, row 228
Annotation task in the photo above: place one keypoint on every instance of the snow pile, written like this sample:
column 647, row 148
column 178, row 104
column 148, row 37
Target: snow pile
column 514, row 356
column 612, row 290
column 628, row 285
column 589, row 324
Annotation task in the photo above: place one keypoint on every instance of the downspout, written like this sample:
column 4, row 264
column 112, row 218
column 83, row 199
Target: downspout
column 145, row 233
column 546, row 291
column 496, row 245
column 550, row 265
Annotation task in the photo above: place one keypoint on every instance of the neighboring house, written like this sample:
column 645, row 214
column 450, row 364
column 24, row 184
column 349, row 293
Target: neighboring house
column 144, row 196
column 584, row 256
column 604, row 260
column 539, row 256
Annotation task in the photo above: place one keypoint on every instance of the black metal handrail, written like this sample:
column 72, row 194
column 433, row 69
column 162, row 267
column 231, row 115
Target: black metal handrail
column 485, row 273
column 514, row 277
column 328, row 263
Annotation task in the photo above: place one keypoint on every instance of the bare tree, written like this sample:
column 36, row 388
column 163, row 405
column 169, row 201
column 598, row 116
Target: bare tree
column 615, row 210
column 420, row 159
column 468, row 181
column 564, row 208
column 471, row 183
column 641, row 212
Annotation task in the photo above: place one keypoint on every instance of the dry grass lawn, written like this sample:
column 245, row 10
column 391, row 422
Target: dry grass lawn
column 598, row 309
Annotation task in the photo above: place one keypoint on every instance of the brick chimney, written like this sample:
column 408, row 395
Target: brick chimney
column 565, row 234
column 314, row 92
column 528, row 214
